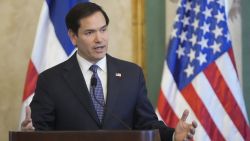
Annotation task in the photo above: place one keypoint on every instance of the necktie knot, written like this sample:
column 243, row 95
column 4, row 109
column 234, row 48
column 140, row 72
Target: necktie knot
column 93, row 68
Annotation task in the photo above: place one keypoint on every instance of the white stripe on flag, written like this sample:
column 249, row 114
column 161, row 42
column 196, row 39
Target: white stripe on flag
column 47, row 51
column 229, row 74
column 158, row 115
column 215, row 109
column 173, row 96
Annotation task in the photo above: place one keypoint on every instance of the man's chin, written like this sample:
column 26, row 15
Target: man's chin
column 99, row 57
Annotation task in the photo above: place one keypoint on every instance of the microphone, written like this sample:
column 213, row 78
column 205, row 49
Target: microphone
column 93, row 83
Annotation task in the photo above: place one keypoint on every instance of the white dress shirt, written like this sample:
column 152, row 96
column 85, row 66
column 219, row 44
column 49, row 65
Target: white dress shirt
column 101, row 71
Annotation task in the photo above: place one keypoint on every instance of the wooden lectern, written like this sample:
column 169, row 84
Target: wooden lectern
column 99, row 135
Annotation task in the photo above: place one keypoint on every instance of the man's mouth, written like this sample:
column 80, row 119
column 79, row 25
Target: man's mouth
column 99, row 47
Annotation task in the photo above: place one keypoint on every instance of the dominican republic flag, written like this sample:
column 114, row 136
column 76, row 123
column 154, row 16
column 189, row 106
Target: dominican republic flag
column 52, row 44
column 200, row 75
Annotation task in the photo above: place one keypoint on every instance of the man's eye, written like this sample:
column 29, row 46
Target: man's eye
column 88, row 33
column 103, row 29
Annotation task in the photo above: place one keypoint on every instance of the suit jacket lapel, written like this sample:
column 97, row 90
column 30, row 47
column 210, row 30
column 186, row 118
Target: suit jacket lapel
column 75, row 79
column 113, row 79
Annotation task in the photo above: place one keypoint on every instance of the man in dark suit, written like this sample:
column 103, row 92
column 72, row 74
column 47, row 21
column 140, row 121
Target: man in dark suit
column 92, row 90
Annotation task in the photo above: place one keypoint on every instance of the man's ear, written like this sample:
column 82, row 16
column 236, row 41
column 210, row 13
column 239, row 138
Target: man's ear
column 73, row 37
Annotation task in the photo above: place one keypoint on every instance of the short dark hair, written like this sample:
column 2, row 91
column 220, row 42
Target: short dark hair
column 82, row 10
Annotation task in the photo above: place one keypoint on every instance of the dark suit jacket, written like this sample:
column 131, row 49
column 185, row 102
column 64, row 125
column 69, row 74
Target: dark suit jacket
column 62, row 100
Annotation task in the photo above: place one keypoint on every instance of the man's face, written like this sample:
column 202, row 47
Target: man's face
column 92, row 38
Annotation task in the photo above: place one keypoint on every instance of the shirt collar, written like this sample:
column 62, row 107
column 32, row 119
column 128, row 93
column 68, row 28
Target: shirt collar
column 85, row 64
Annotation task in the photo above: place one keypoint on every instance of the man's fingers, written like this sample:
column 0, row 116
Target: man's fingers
column 28, row 127
column 25, row 122
column 189, row 136
column 192, row 130
column 184, row 115
column 194, row 124
column 27, row 113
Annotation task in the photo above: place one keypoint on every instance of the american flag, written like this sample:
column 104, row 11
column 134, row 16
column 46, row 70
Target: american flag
column 51, row 47
column 200, row 75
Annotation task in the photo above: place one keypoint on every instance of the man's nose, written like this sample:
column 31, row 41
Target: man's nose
column 98, row 37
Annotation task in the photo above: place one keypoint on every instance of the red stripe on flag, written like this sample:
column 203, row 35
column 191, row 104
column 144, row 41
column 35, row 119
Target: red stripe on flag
column 30, row 83
column 226, row 98
column 166, row 112
column 202, row 113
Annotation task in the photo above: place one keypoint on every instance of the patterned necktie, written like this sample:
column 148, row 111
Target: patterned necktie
column 97, row 93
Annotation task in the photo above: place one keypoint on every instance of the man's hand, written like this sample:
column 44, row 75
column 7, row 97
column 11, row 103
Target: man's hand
column 27, row 123
column 183, row 130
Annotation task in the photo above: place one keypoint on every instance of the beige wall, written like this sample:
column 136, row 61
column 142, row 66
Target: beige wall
column 18, row 24
column 17, row 29
column 120, row 28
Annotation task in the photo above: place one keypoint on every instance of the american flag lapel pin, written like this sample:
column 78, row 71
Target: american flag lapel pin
column 118, row 74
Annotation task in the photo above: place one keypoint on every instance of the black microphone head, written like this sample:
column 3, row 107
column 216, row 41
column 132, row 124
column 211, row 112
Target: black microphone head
column 93, row 82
